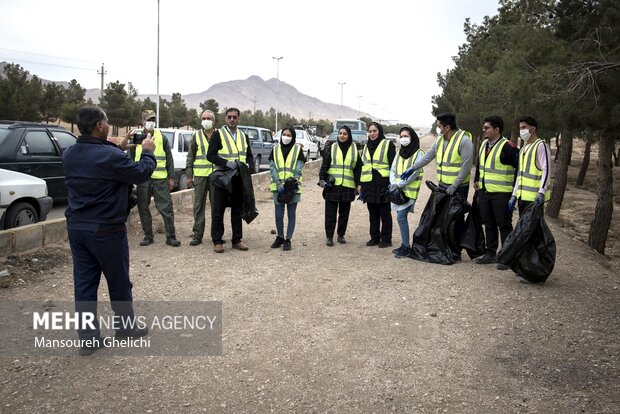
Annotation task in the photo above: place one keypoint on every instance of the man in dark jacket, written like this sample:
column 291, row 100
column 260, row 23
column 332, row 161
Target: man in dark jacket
column 98, row 176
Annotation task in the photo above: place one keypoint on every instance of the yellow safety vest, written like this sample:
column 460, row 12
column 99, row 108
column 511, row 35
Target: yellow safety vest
column 342, row 170
column 495, row 177
column 160, row 156
column 379, row 161
column 529, row 175
column 233, row 149
column 286, row 168
column 449, row 163
column 412, row 189
column 202, row 166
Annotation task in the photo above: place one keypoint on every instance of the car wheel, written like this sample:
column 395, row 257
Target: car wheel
column 20, row 214
column 182, row 181
column 257, row 164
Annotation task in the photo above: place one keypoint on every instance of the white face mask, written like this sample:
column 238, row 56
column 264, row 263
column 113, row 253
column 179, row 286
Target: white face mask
column 149, row 125
column 525, row 134
column 286, row 140
column 207, row 123
column 404, row 141
column 438, row 130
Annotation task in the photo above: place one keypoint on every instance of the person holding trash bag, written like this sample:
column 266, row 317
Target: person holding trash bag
column 339, row 176
column 404, row 193
column 377, row 157
column 286, row 163
column 532, row 184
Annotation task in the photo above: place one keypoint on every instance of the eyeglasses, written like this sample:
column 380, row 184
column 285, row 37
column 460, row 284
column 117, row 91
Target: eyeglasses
column 232, row 117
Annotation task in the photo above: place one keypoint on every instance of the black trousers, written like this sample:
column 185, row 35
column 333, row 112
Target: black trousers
column 495, row 215
column 336, row 212
column 222, row 199
column 380, row 217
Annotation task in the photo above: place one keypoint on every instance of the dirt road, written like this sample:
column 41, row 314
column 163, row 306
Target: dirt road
column 342, row 329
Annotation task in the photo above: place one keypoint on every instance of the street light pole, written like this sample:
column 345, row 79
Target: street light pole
column 359, row 104
column 277, row 85
column 341, row 90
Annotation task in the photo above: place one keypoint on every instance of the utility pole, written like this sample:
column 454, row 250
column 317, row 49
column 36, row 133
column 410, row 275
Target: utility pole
column 254, row 101
column 359, row 104
column 341, row 90
column 277, row 85
column 101, row 72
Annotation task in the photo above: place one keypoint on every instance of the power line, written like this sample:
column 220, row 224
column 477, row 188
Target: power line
column 50, row 56
column 46, row 64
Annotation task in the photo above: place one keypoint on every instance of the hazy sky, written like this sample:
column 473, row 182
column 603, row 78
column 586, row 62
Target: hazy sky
column 387, row 51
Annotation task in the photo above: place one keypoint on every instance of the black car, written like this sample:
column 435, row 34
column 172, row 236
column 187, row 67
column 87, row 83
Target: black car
column 36, row 149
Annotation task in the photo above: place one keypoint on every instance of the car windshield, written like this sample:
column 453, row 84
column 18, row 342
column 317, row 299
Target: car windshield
column 333, row 136
column 169, row 136
column 4, row 132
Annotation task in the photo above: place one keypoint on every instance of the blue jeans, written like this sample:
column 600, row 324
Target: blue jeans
column 403, row 224
column 290, row 228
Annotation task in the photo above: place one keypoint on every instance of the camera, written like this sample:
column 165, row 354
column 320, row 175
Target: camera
column 138, row 138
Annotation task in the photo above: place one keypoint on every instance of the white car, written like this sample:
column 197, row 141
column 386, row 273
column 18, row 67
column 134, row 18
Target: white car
column 23, row 199
column 310, row 148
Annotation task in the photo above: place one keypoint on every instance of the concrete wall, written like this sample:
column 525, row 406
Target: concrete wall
column 54, row 232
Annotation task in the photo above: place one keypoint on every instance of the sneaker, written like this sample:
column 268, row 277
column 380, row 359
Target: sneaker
column 341, row 240
column 287, row 245
column 218, row 248
column 146, row 241
column 403, row 252
column 132, row 333
column 501, row 266
column 371, row 242
column 172, row 241
column 383, row 245
column 278, row 242
column 329, row 241
column 486, row 259
column 397, row 249
column 240, row 246
column 195, row 241
column 88, row 350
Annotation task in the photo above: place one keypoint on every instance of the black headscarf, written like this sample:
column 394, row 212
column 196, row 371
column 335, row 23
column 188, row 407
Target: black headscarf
column 409, row 150
column 372, row 145
column 286, row 148
column 344, row 146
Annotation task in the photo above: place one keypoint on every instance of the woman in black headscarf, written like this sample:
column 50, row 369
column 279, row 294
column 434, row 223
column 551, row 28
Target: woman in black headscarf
column 377, row 158
column 339, row 176
column 286, row 163
column 408, row 154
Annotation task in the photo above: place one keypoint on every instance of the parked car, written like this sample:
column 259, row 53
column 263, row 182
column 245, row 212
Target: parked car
column 392, row 137
column 179, row 140
column 23, row 199
column 310, row 148
column 36, row 149
column 261, row 142
column 359, row 138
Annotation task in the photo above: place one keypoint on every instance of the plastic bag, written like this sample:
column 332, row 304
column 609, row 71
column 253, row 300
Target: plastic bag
column 472, row 239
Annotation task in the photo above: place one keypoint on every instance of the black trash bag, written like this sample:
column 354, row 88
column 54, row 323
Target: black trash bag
column 398, row 198
column 223, row 179
column 530, row 249
column 472, row 240
column 249, row 202
column 290, row 188
column 435, row 240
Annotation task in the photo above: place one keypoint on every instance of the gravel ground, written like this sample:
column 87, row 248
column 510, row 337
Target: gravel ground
column 341, row 329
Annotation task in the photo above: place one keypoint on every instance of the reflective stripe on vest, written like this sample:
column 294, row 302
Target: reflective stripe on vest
column 286, row 168
column 342, row 170
column 379, row 161
column 160, row 156
column 412, row 189
column 449, row 164
column 233, row 149
column 529, row 175
column 202, row 166
column 495, row 177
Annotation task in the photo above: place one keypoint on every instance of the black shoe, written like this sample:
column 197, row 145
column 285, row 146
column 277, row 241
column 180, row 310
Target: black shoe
column 396, row 250
column 132, row 333
column 403, row 252
column 146, row 241
column 371, row 242
column 486, row 259
column 88, row 350
column 501, row 266
column 383, row 245
column 195, row 241
column 171, row 241
column 287, row 245
column 329, row 241
column 278, row 242
column 341, row 240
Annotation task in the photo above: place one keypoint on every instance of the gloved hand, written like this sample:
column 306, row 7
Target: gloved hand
column 512, row 204
column 361, row 197
column 407, row 174
column 393, row 188
column 281, row 188
column 322, row 183
column 451, row 189
column 540, row 199
column 232, row 165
